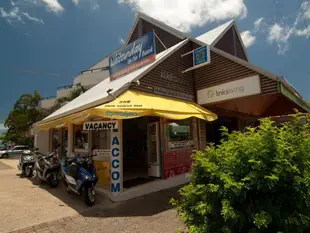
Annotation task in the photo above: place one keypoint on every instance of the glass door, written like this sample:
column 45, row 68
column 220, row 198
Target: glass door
column 153, row 149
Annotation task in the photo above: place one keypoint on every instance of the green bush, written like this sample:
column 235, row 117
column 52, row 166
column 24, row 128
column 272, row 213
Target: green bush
column 256, row 181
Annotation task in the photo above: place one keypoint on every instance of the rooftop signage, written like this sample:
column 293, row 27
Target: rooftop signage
column 231, row 90
column 132, row 57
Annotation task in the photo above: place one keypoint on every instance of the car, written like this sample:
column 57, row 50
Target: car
column 2, row 147
column 15, row 151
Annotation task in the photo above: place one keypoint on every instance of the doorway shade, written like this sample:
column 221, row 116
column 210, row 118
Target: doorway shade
column 133, row 104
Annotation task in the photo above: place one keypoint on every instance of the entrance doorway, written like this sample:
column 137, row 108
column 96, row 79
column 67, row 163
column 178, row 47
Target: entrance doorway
column 141, row 147
column 213, row 132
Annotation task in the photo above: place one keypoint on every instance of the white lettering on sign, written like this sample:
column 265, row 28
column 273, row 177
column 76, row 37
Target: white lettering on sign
column 116, row 184
column 231, row 90
column 100, row 125
column 172, row 93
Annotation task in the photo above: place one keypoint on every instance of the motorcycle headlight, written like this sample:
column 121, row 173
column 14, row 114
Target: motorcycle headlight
column 27, row 158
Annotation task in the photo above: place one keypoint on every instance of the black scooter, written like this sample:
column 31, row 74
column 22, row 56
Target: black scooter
column 47, row 168
column 26, row 163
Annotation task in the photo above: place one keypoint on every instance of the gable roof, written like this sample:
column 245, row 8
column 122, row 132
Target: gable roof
column 157, row 23
column 99, row 93
column 213, row 36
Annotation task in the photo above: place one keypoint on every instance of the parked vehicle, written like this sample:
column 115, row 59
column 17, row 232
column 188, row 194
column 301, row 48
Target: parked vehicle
column 79, row 176
column 26, row 163
column 2, row 147
column 47, row 167
column 15, row 151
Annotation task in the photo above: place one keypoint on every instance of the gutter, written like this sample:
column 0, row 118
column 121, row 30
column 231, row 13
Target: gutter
column 283, row 81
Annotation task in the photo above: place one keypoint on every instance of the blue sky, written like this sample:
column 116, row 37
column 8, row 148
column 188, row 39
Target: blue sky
column 67, row 36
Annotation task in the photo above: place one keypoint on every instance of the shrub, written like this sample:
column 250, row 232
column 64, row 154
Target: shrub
column 256, row 181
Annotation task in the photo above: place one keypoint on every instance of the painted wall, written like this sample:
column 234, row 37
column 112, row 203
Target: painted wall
column 41, row 141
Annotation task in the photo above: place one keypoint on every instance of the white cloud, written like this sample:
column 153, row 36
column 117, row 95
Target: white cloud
column 186, row 14
column 280, row 35
column 122, row 41
column 54, row 5
column 13, row 14
column 95, row 6
column 76, row 2
column 305, row 9
column 303, row 32
column 257, row 24
column 12, row 3
column 32, row 18
column 247, row 38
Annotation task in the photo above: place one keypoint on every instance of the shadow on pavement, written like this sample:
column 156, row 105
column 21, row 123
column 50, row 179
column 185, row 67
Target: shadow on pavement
column 148, row 205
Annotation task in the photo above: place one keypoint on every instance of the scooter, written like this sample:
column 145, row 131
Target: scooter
column 47, row 167
column 79, row 176
column 26, row 163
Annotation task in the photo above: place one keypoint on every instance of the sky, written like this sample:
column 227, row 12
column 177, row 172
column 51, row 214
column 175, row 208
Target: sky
column 64, row 37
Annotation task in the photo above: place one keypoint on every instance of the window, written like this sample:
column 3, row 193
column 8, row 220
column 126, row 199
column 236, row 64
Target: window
column 102, row 139
column 80, row 138
column 179, row 130
column 179, row 135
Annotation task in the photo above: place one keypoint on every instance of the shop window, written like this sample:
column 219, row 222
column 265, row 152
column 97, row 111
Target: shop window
column 102, row 139
column 80, row 138
column 179, row 134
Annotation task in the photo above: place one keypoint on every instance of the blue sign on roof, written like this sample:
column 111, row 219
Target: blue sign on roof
column 201, row 56
column 132, row 57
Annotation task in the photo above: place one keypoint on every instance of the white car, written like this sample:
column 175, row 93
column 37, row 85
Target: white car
column 15, row 151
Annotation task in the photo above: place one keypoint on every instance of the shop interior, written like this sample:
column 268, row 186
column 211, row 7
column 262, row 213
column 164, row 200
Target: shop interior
column 213, row 129
column 141, row 150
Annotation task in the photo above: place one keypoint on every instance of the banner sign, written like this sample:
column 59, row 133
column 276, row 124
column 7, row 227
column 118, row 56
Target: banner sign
column 231, row 90
column 132, row 57
column 100, row 125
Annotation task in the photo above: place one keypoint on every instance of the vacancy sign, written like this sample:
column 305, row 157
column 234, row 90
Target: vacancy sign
column 100, row 125
column 231, row 90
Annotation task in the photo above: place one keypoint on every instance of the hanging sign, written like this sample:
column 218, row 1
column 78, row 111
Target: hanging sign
column 132, row 57
column 100, row 125
column 201, row 57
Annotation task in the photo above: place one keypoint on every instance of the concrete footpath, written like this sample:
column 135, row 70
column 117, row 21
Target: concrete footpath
column 148, row 214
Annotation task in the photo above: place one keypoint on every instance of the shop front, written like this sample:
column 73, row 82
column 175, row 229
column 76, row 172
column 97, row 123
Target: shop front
column 157, row 106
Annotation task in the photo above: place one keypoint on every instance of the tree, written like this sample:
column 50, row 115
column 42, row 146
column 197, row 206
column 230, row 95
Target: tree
column 21, row 118
column 256, row 182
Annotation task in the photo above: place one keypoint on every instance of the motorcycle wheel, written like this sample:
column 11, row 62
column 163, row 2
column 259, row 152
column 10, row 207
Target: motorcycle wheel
column 89, row 195
column 28, row 171
column 53, row 180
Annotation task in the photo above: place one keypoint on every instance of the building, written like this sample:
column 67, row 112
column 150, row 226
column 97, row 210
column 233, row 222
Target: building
column 147, row 117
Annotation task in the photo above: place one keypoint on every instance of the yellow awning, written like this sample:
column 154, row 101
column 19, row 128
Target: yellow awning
column 133, row 104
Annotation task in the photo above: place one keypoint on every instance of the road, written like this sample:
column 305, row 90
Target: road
column 27, row 206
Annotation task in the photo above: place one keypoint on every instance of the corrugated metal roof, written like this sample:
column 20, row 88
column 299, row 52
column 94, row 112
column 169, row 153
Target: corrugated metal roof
column 98, row 94
column 212, row 36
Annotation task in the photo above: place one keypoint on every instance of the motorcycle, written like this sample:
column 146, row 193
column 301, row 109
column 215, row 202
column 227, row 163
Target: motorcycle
column 79, row 176
column 47, row 167
column 26, row 163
